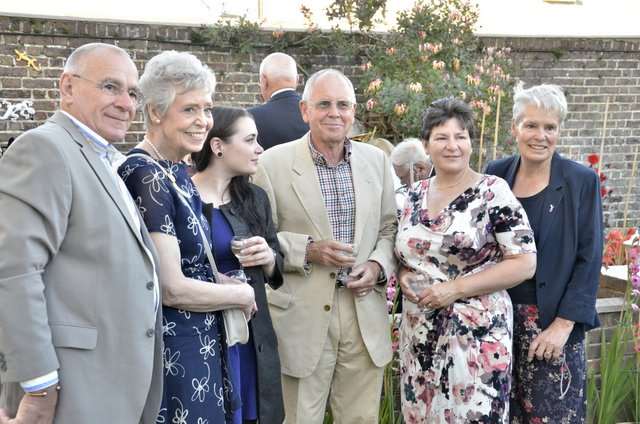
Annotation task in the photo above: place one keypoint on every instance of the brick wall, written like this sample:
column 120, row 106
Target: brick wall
column 591, row 70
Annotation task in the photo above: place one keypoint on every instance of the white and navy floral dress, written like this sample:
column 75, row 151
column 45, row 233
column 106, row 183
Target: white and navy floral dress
column 196, row 385
column 456, row 361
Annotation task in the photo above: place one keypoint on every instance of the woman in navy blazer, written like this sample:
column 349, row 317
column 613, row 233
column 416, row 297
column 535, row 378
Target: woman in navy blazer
column 552, row 310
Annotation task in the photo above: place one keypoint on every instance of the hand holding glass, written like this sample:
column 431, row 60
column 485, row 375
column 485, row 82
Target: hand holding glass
column 417, row 282
column 237, row 244
column 239, row 277
column 343, row 273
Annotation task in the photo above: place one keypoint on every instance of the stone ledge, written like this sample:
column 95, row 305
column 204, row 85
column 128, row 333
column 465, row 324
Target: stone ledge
column 609, row 305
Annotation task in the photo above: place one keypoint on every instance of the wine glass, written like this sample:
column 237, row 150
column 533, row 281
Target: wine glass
column 343, row 272
column 237, row 244
column 418, row 282
column 237, row 275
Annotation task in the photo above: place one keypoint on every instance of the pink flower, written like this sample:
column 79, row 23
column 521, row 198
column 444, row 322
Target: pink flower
column 635, row 307
column 399, row 109
column 416, row 87
column 371, row 103
column 391, row 292
column 473, row 80
column 374, row 85
column 635, row 281
column 634, row 253
column 438, row 65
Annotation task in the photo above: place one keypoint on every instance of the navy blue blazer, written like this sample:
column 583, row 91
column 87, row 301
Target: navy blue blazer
column 279, row 120
column 570, row 245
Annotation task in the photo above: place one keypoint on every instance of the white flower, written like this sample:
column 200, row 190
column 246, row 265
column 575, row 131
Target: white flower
column 181, row 413
column 201, row 386
column 171, row 364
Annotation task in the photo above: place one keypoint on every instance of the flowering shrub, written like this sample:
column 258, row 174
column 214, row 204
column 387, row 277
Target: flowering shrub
column 617, row 396
column 389, row 410
column 614, row 253
column 433, row 53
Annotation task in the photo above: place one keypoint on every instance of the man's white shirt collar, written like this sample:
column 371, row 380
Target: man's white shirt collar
column 111, row 154
column 88, row 130
column 282, row 90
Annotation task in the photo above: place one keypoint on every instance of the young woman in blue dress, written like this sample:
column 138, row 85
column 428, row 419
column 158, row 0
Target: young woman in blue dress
column 235, row 207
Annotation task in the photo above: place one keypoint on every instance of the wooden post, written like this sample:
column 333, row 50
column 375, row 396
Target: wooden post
column 604, row 131
column 484, row 116
column 634, row 167
column 495, row 134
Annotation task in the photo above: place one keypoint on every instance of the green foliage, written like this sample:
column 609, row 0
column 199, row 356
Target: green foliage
column 360, row 13
column 606, row 403
column 614, row 397
column 389, row 409
column 241, row 34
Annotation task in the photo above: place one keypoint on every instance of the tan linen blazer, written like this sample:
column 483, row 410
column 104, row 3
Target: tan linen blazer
column 76, row 285
column 301, row 308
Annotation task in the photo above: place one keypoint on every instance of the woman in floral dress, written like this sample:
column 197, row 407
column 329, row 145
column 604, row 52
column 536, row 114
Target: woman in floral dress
column 468, row 235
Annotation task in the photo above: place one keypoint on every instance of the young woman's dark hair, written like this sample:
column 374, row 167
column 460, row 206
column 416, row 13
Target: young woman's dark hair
column 242, row 196
column 441, row 110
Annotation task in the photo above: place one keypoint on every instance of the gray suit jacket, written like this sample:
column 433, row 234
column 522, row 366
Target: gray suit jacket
column 76, row 285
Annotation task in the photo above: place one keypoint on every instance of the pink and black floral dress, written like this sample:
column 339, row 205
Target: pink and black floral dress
column 456, row 361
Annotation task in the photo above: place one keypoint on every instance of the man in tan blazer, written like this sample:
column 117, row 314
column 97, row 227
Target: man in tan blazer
column 80, row 334
column 331, row 196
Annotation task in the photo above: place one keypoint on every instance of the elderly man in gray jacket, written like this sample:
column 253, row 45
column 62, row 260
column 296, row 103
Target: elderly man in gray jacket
column 80, row 334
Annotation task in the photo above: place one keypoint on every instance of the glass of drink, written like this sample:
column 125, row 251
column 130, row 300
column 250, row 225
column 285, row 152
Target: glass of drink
column 237, row 244
column 418, row 282
column 343, row 272
column 237, row 275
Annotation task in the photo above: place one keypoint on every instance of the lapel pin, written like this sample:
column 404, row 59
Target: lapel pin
column 550, row 207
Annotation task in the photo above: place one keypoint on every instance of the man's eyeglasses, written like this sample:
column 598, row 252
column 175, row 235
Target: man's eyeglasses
column 341, row 105
column 114, row 89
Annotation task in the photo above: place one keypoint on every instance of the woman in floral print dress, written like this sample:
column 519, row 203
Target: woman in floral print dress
column 470, row 237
